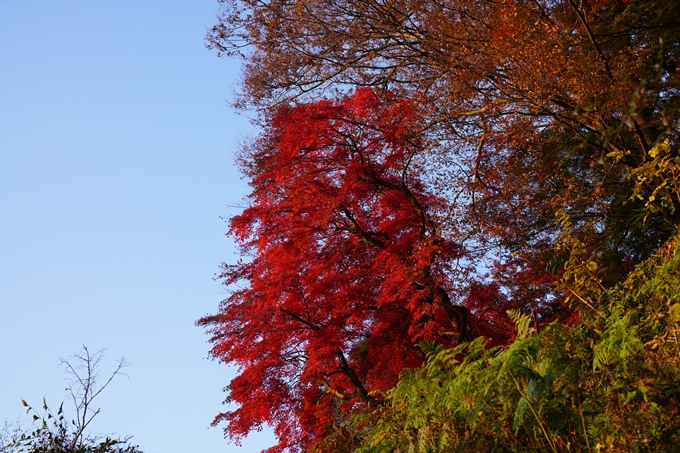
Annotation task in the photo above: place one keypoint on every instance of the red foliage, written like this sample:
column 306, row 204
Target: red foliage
column 349, row 269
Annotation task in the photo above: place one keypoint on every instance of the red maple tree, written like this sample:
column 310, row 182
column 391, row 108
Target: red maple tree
column 545, row 105
column 348, row 268
column 539, row 114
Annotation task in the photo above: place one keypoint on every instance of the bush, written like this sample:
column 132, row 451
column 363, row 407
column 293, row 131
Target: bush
column 54, row 433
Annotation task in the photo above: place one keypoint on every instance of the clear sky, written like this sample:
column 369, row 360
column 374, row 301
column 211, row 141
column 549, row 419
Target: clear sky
column 116, row 144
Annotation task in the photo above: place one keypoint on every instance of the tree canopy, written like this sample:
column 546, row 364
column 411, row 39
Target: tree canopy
column 423, row 168
column 349, row 269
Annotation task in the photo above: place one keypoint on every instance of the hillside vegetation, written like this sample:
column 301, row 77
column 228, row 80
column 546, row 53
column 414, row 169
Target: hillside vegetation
column 608, row 383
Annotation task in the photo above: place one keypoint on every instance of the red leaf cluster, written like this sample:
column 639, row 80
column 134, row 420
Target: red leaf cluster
column 349, row 271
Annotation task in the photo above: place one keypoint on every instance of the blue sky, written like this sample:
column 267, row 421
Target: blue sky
column 116, row 144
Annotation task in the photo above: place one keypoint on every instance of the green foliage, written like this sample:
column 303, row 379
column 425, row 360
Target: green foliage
column 610, row 382
column 54, row 434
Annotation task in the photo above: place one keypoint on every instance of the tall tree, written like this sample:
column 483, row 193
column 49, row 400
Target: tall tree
column 548, row 130
column 348, row 268
column 546, row 104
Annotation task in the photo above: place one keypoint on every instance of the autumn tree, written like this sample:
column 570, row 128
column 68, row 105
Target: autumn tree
column 479, row 156
column 347, row 269
column 534, row 106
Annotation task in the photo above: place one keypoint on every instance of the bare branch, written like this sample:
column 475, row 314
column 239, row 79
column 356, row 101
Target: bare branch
column 82, row 369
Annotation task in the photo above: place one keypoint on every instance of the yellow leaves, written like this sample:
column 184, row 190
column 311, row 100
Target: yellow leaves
column 616, row 155
column 580, row 281
column 657, row 182
column 674, row 312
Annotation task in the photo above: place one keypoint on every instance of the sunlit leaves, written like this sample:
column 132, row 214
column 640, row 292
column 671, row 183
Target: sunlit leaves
column 347, row 270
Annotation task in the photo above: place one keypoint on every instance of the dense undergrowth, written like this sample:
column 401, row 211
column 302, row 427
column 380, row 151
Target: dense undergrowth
column 610, row 382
